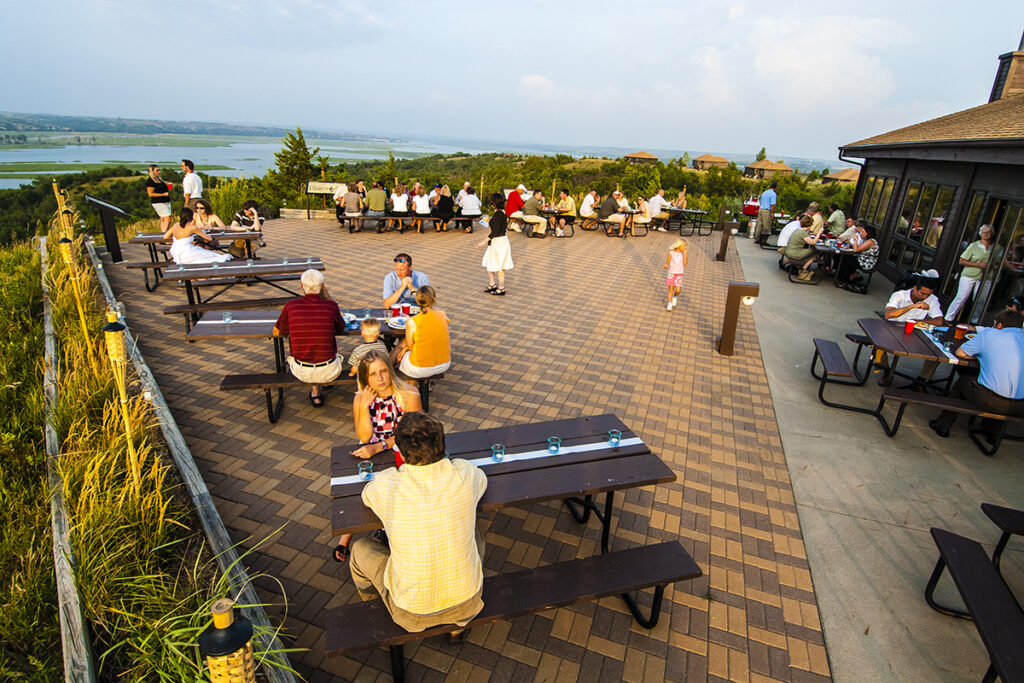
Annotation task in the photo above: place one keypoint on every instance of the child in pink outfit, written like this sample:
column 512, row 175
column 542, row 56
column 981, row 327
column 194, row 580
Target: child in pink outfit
column 676, row 264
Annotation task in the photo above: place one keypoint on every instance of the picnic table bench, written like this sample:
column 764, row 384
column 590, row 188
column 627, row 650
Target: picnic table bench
column 989, row 602
column 415, row 220
column 586, row 465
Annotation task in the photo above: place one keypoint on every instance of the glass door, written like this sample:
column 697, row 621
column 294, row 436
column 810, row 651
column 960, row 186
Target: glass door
column 1006, row 280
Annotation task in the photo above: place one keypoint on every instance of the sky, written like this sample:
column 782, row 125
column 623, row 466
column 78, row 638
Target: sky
column 798, row 78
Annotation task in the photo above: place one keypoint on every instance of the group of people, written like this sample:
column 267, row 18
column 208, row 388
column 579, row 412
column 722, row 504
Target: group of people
column 353, row 200
column 419, row 589
column 798, row 239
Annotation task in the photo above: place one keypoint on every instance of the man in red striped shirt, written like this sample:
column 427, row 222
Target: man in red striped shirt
column 311, row 323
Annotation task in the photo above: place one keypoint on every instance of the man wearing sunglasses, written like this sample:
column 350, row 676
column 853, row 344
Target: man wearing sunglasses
column 401, row 284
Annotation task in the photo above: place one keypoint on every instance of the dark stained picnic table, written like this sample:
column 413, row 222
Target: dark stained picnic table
column 696, row 218
column 889, row 336
column 585, row 465
column 152, row 239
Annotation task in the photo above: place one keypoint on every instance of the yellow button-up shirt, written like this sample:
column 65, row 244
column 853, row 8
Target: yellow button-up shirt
column 429, row 513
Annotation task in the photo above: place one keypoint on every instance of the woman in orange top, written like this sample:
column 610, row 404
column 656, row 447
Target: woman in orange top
column 426, row 349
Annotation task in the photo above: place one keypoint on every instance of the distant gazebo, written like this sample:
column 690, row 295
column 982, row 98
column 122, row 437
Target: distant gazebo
column 641, row 158
column 706, row 161
column 846, row 175
column 766, row 169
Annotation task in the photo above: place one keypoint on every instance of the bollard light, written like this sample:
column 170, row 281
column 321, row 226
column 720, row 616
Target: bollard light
column 739, row 293
column 227, row 646
column 113, row 334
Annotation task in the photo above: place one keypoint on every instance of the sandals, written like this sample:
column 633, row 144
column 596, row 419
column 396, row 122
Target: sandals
column 340, row 553
column 317, row 401
column 491, row 290
column 498, row 292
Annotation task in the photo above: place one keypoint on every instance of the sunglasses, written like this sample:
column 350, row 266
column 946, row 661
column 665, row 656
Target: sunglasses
column 399, row 260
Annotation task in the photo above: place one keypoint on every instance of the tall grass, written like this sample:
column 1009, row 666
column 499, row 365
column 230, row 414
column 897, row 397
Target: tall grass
column 144, row 576
column 29, row 633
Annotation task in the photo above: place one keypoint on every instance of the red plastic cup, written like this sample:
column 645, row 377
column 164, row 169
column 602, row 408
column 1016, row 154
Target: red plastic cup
column 961, row 330
column 170, row 186
column 406, row 309
column 396, row 311
column 908, row 327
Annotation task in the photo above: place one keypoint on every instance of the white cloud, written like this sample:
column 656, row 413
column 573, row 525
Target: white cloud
column 535, row 84
column 736, row 11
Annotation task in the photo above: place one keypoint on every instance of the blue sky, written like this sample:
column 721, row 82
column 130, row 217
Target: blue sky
column 799, row 78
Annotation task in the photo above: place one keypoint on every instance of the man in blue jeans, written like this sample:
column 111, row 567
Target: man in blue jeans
column 999, row 387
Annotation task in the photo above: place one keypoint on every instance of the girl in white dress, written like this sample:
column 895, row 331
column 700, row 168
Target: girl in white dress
column 183, row 249
column 498, row 257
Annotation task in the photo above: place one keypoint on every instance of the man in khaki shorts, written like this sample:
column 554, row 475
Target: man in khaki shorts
column 312, row 323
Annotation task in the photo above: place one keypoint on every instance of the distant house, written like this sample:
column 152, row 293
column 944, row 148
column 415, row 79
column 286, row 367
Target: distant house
column 846, row 175
column 706, row 161
column 640, row 158
column 927, row 188
column 766, row 169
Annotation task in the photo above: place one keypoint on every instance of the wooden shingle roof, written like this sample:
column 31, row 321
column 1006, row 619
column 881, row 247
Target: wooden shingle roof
column 1002, row 120
column 711, row 158
column 850, row 174
column 641, row 155
column 769, row 165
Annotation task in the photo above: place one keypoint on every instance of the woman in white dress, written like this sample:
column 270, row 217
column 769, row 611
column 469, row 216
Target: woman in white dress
column 498, row 257
column 183, row 248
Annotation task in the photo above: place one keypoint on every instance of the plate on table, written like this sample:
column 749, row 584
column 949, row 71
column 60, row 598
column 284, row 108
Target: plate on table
column 925, row 327
column 970, row 335
column 348, row 318
column 414, row 310
column 397, row 323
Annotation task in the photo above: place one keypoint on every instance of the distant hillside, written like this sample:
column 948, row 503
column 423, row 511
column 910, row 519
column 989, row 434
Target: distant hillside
column 92, row 124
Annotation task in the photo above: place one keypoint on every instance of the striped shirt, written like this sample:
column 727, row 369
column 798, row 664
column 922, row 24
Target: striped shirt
column 311, row 324
column 360, row 351
column 429, row 513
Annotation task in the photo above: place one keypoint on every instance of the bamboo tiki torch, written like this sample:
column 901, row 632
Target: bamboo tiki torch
column 68, row 254
column 113, row 334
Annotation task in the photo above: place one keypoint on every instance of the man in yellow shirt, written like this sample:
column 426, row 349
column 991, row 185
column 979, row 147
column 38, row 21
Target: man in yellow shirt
column 431, row 570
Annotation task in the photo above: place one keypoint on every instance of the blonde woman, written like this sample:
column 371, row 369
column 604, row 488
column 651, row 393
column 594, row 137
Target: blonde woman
column 379, row 404
column 426, row 349
column 444, row 209
column 680, row 201
column 159, row 193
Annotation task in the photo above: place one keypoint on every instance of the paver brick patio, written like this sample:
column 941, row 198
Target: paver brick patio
column 582, row 331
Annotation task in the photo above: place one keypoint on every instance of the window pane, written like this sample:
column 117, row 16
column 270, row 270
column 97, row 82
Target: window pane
column 883, row 204
column 923, row 212
column 908, row 262
column 873, row 203
column 937, row 220
column 907, row 213
column 1000, row 284
column 894, row 252
column 868, row 185
column 968, row 229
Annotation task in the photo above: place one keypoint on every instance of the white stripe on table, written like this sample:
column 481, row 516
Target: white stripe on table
column 207, row 266
column 513, row 457
column 224, row 322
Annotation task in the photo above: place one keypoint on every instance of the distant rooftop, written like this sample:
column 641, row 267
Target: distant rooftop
column 640, row 155
column 768, row 165
column 847, row 174
column 712, row 158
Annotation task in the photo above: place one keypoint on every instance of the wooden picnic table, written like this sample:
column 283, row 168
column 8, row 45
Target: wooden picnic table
column 247, row 324
column 888, row 336
column 584, row 466
column 152, row 239
column 695, row 217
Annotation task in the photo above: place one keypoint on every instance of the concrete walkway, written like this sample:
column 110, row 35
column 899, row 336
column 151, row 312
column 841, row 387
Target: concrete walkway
column 866, row 502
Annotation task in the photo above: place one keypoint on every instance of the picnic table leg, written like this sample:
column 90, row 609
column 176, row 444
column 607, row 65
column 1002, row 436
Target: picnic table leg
column 634, row 608
column 280, row 357
column 973, row 432
column 156, row 279
column 997, row 554
column 580, row 508
column 397, row 663
column 190, row 318
column 274, row 409
column 929, row 593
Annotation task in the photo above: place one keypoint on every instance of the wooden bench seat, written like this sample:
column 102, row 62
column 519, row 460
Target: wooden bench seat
column 413, row 219
column 836, row 370
column 1009, row 521
column 269, row 381
column 906, row 397
column 368, row 624
column 990, row 603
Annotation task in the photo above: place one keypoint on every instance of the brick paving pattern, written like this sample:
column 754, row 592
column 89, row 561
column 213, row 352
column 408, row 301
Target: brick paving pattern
column 582, row 331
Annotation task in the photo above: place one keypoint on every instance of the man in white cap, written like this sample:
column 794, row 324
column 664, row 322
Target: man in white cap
column 609, row 211
column 514, row 207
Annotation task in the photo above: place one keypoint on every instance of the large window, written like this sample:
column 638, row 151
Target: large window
column 874, row 202
column 919, row 226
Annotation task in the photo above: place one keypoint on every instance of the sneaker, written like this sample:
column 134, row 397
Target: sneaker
column 514, row 227
column 674, row 301
column 669, row 307
column 662, row 229
column 559, row 233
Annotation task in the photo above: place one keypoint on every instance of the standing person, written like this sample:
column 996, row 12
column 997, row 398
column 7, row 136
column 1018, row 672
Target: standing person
column 159, row 193
column 401, row 284
column 999, row 386
column 431, row 570
column 514, row 207
column 469, row 207
column 766, row 213
column 836, row 219
column 376, row 203
column 498, row 257
column 184, row 249
column 311, row 323
column 377, row 408
column 974, row 260
column 676, row 264
column 191, row 184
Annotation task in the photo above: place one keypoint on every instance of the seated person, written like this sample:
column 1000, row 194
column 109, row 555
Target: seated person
column 788, row 231
column 566, row 208
column 588, row 210
column 818, row 222
column 184, row 249
column 401, row 284
column 249, row 218
column 369, row 329
column 463, row 192
column 659, row 215
column 469, row 206
column 312, row 322
column 918, row 303
column 644, row 217
column 531, row 214
column 420, row 206
column 426, row 350
column 431, row 571
column 399, row 203
column 849, row 235
column 444, row 209
column 999, row 386
column 800, row 248
column 866, row 251
column 680, row 201
column 353, row 206
column 609, row 211
column 339, row 202
column 514, row 207
column 836, row 219
column 377, row 202
column 204, row 216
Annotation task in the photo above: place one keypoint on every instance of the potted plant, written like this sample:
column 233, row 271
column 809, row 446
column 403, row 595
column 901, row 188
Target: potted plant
column 744, row 222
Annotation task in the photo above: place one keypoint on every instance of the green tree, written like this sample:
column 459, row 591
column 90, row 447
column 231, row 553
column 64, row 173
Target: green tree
column 295, row 163
column 685, row 160
column 762, row 155
column 387, row 172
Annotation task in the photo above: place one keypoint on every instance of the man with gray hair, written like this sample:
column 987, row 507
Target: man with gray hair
column 311, row 323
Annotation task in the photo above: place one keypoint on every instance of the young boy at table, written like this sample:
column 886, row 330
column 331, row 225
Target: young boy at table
column 369, row 328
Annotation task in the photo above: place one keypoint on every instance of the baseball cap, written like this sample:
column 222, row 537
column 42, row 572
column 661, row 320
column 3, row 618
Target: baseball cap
column 521, row 187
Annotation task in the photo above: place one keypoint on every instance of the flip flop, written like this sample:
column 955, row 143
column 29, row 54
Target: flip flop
column 491, row 290
column 340, row 553
column 317, row 401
